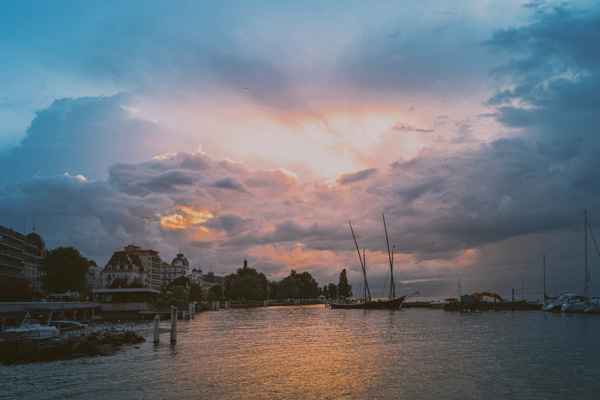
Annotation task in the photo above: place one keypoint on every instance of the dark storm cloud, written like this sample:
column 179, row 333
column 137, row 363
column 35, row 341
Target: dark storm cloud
column 538, row 182
column 125, row 177
column 346, row 179
column 292, row 231
column 231, row 223
column 80, row 136
column 71, row 210
column 230, row 184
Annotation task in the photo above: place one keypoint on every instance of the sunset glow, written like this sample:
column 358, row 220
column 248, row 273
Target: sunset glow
column 185, row 217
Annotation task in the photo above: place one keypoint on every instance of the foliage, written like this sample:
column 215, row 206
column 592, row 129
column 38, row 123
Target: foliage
column 246, row 284
column 215, row 293
column 344, row 290
column 65, row 270
column 295, row 286
column 330, row 291
column 174, row 296
column 196, row 292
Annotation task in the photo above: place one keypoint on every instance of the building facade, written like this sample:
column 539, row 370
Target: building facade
column 133, row 267
column 20, row 263
column 179, row 267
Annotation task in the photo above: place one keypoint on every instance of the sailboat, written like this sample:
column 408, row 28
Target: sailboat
column 579, row 304
column 367, row 302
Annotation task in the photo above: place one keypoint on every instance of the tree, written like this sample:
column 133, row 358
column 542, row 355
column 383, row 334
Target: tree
column 215, row 293
column 65, row 269
column 295, row 286
column 344, row 289
column 332, row 291
column 246, row 284
column 195, row 292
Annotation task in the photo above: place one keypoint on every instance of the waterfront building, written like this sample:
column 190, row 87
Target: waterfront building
column 133, row 267
column 93, row 277
column 169, row 272
column 196, row 275
column 181, row 265
column 20, row 263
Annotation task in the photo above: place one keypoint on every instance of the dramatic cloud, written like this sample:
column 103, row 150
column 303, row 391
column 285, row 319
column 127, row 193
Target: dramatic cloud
column 299, row 135
column 85, row 135
column 345, row 179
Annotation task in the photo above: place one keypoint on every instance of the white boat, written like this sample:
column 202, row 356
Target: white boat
column 594, row 306
column 556, row 304
column 67, row 326
column 577, row 304
column 31, row 330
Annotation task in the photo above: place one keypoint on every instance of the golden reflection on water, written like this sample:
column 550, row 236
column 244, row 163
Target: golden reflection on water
column 293, row 353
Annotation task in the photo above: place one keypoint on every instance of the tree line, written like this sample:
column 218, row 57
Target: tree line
column 247, row 284
column 66, row 269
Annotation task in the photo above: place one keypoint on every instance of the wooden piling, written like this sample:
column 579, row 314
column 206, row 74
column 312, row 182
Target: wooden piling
column 173, row 325
column 156, row 329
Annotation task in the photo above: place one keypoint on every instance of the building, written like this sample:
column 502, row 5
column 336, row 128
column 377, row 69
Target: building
column 93, row 277
column 179, row 267
column 196, row 275
column 20, row 263
column 133, row 267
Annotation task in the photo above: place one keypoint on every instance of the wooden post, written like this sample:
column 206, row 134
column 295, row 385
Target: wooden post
column 156, row 329
column 173, row 325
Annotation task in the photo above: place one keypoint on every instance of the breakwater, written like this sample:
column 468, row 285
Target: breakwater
column 94, row 344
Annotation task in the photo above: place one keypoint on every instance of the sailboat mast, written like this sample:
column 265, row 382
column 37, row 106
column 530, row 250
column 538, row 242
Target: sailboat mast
column 391, row 260
column 362, row 263
column 545, row 293
column 586, row 287
column 366, row 294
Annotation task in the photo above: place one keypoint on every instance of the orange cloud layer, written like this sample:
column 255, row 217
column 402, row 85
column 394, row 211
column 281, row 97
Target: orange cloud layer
column 185, row 217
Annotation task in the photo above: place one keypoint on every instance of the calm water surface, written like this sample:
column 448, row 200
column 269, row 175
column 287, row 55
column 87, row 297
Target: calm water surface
column 318, row 353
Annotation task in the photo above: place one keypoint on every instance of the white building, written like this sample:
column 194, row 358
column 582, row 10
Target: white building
column 179, row 267
column 93, row 277
column 133, row 267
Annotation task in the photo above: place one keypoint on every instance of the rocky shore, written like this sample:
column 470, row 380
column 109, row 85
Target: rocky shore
column 94, row 344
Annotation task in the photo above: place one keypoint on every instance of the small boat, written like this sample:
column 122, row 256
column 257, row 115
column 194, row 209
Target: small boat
column 31, row 330
column 555, row 304
column 594, row 306
column 68, row 326
column 575, row 305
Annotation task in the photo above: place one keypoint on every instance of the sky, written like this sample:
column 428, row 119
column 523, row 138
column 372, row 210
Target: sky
column 234, row 129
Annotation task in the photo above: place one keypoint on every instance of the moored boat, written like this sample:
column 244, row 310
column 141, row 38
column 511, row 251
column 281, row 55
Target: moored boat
column 29, row 330
column 594, row 306
column 367, row 303
column 393, row 304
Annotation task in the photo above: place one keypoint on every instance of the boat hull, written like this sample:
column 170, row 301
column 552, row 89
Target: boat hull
column 394, row 304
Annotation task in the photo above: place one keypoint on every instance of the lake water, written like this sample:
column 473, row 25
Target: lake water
column 316, row 353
